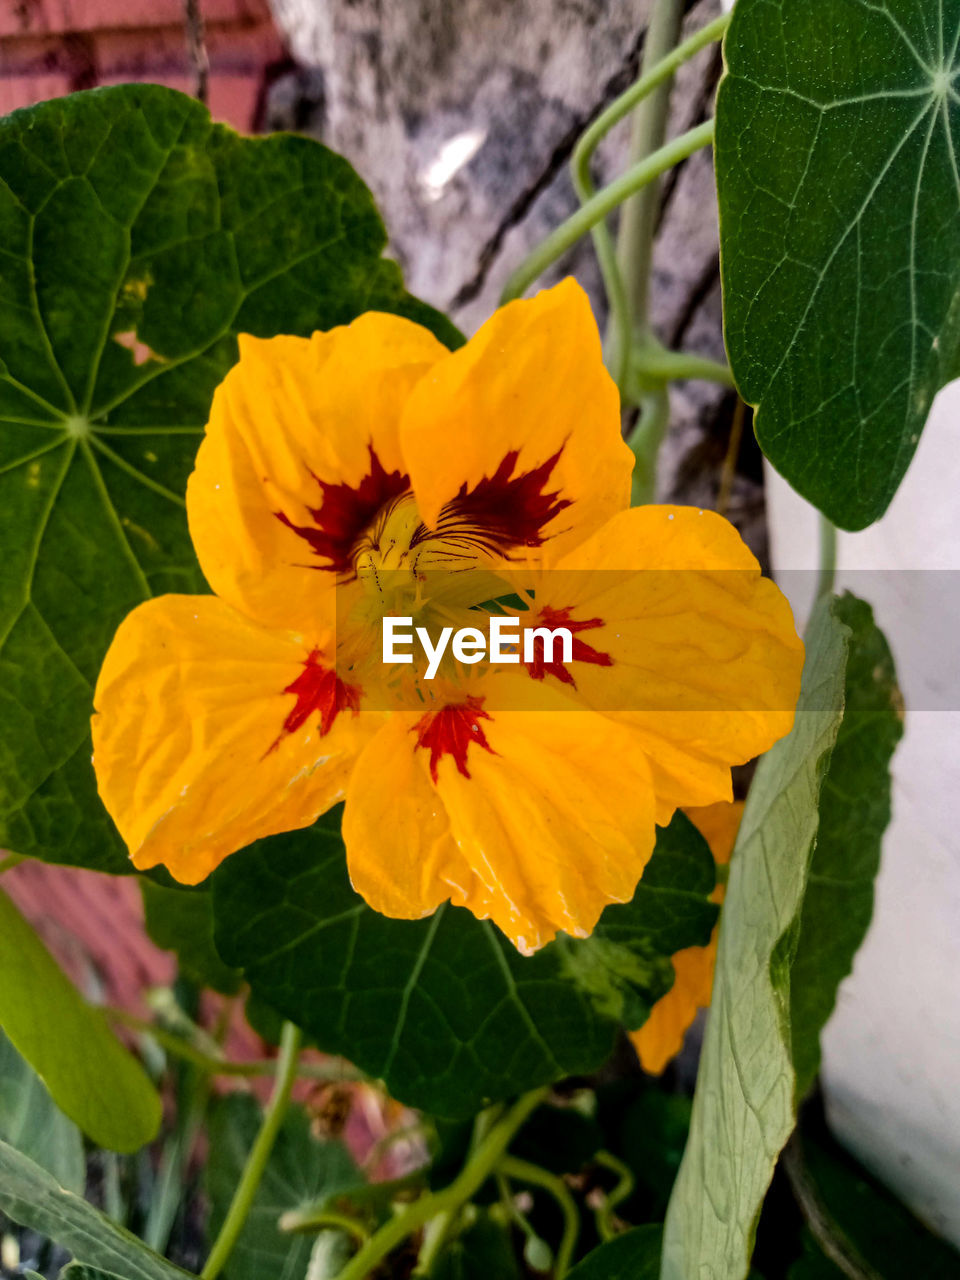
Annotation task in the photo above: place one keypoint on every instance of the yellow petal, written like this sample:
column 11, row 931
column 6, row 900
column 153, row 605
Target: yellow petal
column 209, row 734
column 661, row 1036
column 401, row 855
column 535, row 819
column 703, row 659
column 300, row 452
column 520, row 429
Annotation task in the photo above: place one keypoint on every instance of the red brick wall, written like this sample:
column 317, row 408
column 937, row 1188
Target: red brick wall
column 53, row 47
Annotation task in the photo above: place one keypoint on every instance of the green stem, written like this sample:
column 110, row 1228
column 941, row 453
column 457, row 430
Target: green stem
column 621, row 323
column 624, row 1187
column 488, row 1154
column 828, row 557
column 638, row 219
column 253, row 1170
column 523, row 1171
column 606, row 200
column 180, row 1048
column 434, row 1238
column 645, row 441
column 308, row 1221
column 655, row 362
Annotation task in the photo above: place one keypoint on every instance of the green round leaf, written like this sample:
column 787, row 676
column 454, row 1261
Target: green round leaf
column 838, row 127
column 445, row 1010
column 633, row 1256
column 138, row 239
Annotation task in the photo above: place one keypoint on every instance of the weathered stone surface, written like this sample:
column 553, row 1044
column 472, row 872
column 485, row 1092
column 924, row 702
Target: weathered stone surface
column 462, row 119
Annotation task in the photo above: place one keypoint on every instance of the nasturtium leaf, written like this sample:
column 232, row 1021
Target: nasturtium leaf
column 301, row 1170
column 181, row 920
column 743, row 1108
column 90, row 1075
column 138, row 240
column 445, row 1010
column 77, row 1271
column 633, row 1256
column 854, row 813
column 838, row 171
column 34, row 1199
column 33, row 1123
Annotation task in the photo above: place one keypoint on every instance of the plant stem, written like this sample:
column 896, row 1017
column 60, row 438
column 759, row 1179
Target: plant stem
column 645, row 441
column 487, row 1155
column 259, row 1154
column 653, row 361
column 523, row 1171
column 607, row 199
column 729, row 469
column 620, row 334
column 308, row 1221
column 10, row 861
column 625, row 1185
column 434, row 1237
column 638, row 219
column 828, row 557
column 180, row 1048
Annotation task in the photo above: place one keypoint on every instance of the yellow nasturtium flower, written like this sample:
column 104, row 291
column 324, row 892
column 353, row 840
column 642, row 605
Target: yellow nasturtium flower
column 369, row 471
column 661, row 1037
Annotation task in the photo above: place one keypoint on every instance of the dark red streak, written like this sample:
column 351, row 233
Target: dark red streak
column 450, row 732
column 319, row 688
column 580, row 650
column 345, row 512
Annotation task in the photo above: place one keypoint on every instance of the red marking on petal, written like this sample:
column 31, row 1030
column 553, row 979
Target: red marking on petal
column 504, row 510
column 319, row 688
column 346, row 511
column 450, row 731
column 580, row 650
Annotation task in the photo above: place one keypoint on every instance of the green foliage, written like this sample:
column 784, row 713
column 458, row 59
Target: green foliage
column 90, row 1075
column 743, row 1108
column 32, row 1122
column 799, row 900
column 882, row 1236
column 444, row 1010
column 854, row 813
column 76, row 1271
column 838, row 172
column 300, row 1171
column 633, row 1256
column 181, row 920
column 138, row 240
column 483, row 1252
column 652, row 1133
column 30, row 1196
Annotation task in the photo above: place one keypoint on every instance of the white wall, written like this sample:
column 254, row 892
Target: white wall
column 892, row 1049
